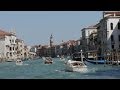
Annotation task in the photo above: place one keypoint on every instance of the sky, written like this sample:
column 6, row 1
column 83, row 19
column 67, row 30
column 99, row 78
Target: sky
column 35, row 27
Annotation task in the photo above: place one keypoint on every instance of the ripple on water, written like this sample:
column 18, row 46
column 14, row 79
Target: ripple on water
column 36, row 69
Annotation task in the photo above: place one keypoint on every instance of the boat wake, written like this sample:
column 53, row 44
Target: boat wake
column 92, row 70
column 22, row 64
column 57, row 70
column 26, row 64
column 60, row 70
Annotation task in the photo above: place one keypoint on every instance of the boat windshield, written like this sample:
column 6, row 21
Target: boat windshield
column 77, row 64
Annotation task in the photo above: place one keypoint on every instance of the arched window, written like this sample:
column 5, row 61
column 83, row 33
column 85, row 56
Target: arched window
column 111, row 26
column 119, row 37
column 112, row 38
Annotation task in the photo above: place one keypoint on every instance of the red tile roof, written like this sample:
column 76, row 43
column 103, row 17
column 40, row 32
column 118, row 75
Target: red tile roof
column 111, row 13
column 2, row 37
column 3, row 33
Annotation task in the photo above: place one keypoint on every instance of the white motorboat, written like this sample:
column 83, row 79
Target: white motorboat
column 19, row 62
column 77, row 66
column 76, row 63
column 48, row 60
column 62, row 57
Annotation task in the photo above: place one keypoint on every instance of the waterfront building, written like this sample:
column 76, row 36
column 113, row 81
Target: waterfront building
column 39, row 51
column 71, row 46
column 78, row 46
column 32, row 52
column 7, row 45
column 86, row 32
column 42, row 50
column 57, row 50
column 92, row 45
column 64, row 48
column 26, row 52
column 20, row 48
column 47, row 50
column 109, row 32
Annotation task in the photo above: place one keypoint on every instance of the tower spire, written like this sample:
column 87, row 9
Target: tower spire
column 51, row 45
column 51, row 36
column 51, row 41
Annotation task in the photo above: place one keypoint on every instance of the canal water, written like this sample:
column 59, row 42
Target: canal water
column 36, row 69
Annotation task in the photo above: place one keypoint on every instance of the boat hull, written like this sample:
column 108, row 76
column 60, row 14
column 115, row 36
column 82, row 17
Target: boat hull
column 48, row 62
column 97, row 61
column 76, row 69
column 80, row 67
column 19, row 63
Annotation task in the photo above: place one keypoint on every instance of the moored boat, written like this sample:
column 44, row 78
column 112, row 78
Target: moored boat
column 99, row 60
column 96, row 61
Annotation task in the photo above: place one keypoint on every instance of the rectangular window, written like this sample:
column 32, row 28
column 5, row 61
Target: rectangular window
column 10, row 41
column 119, row 37
column 119, row 25
column 13, row 41
column 13, row 48
column 111, row 26
column 10, row 54
column 10, row 48
column 112, row 38
column 112, row 46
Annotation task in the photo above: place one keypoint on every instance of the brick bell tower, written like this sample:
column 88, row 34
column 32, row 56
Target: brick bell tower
column 51, row 45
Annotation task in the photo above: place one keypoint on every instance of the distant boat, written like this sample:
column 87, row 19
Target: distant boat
column 62, row 58
column 19, row 62
column 47, row 60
